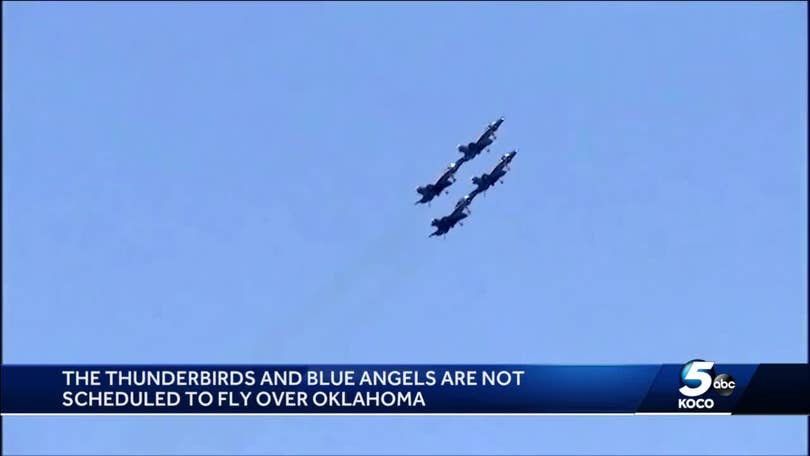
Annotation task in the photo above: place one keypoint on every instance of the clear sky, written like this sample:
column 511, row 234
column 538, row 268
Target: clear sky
column 234, row 183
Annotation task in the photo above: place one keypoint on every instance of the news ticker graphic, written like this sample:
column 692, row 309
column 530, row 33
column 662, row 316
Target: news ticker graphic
column 696, row 387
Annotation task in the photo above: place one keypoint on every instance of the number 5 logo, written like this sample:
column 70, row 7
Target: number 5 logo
column 695, row 371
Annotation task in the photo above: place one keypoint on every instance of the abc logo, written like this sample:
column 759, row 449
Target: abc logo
column 724, row 385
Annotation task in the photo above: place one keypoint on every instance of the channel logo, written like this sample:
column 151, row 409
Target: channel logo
column 697, row 378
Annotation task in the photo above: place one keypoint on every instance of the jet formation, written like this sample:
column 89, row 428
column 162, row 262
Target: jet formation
column 482, row 183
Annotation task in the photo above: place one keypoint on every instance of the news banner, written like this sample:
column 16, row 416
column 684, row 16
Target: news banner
column 695, row 387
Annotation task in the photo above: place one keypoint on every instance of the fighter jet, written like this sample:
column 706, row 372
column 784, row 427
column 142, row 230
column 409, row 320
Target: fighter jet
column 466, row 200
column 486, row 181
column 444, row 224
column 431, row 191
column 472, row 149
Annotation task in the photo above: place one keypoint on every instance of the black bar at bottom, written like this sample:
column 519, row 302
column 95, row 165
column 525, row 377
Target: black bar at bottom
column 782, row 387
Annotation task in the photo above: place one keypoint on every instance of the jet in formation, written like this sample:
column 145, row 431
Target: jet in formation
column 482, row 183
column 446, row 223
column 487, row 180
column 433, row 190
column 471, row 150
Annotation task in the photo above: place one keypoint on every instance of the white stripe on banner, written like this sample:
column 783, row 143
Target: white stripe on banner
column 379, row 414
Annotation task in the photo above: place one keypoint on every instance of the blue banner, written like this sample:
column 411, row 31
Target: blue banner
column 695, row 387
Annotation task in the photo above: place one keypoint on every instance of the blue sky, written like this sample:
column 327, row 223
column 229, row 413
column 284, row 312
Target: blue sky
column 234, row 183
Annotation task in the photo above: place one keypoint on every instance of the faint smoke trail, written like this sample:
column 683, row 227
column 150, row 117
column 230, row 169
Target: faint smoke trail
column 330, row 297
